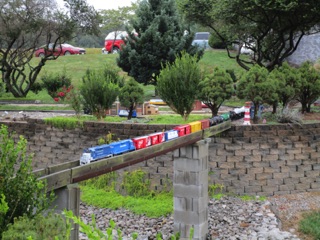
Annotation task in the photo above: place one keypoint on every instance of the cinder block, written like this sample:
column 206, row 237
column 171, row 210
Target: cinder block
column 188, row 217
column 285, row 145
column 243, row 152
column 188, row 164
column 188, row 191
column 263, row 164
column 182, row 204
column 261, row 152
column 252, row 158
column 258, row 182
column 312, row 173
column 252, row 189
column 264, row 176
column 190, row 178
column 270, row 189
column 281, row 175
column 274, row 182
column 257, row 170
column 226, row 165
column 270, row 157
column 276, row 151
column 302, row 186
column 315, row 185
column 287, row 187
column 223, row 152
column 307, row 180
column 299, row 174
column 250, row 146
column 46, row 149
column 235, row 158
column 232, row 147
column 291, row 181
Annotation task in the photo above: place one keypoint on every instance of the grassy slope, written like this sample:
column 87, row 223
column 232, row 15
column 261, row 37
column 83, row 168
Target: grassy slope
column 76, row 66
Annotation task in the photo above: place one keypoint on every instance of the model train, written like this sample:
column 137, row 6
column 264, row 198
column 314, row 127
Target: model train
column 109, row 150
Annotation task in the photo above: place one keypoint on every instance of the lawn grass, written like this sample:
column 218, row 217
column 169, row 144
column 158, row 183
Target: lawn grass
column 156, row 206
column 76, row 66
column 310, row 224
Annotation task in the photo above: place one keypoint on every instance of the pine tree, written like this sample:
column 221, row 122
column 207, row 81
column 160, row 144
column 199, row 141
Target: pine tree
column 159, row 36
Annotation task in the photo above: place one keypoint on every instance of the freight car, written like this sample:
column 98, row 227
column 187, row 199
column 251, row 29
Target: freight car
column 109, row 150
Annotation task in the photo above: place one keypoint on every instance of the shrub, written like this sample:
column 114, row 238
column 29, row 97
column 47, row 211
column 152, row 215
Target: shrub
column 75, row 99
column 136, row 184
column 178, row 82
column 53, row 226
column 131, row 94
column 289, row 116
column 24, row 194
column 99, row 91
column 52, row 83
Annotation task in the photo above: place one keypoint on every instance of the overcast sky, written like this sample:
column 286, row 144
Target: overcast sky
column 105, row 4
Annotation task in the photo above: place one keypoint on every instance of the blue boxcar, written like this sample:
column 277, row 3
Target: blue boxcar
column 122, row 146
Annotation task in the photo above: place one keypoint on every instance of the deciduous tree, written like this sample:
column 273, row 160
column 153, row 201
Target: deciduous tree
column 272, row 30
column 26, row 25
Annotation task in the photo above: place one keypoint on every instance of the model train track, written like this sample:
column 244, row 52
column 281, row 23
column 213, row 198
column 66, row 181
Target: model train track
column 68, row 173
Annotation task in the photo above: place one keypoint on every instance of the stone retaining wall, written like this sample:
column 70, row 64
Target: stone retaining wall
column 267, row 159
column 258, row 159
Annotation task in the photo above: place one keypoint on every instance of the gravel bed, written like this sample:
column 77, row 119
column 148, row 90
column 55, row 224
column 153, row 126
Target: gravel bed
column 229, row 218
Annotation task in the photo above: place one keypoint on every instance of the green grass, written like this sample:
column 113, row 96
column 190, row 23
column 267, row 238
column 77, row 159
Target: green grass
column 156, row 206
column 310, row 224
column 76, row 66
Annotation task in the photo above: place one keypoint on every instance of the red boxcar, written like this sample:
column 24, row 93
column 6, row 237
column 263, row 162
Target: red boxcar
column 141, row 142
column 205, row 123
column 183, row 129
column 156, row 138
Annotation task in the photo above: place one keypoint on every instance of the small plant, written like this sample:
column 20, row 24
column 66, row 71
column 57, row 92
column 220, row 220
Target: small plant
column 135, row 183
column 74, row 98
column 40, row 227
column 52, row 83
column 106, row 182
column 106, row 140
column 215, row 190
column 289, row 116
column 64, row 123
column 99, row 91
column 24, row 193
column 310, row 224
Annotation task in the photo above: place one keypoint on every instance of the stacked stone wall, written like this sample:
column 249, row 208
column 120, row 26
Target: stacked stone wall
column 254, row 160
column 267, row 159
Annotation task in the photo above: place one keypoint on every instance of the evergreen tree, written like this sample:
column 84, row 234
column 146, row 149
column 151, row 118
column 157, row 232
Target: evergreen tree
column 256, row 86
column 159, row 36
column 215, row 88
column 309, row 90
column 178, row 83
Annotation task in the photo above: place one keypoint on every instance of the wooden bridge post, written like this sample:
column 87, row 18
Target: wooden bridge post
column 190, row 184
column 68, row 198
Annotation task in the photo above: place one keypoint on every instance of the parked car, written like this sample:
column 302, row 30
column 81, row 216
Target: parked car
column 113, row 42
column 201, row 39
column 58, row 50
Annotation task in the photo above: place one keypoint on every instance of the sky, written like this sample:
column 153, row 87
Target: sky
column 105, row 4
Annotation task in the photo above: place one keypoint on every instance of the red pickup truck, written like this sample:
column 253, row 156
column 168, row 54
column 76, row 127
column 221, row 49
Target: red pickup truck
column 113, row 41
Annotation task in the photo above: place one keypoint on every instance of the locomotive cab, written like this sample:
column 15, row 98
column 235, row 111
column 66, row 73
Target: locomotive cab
column 85, row 158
